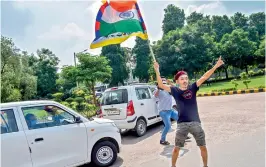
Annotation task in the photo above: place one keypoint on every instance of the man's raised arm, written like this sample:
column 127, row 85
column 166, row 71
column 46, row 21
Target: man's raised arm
column 208, row 74
column 159, row 79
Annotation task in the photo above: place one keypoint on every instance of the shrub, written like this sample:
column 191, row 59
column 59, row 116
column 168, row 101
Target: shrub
column 246, row 82
column 89, row 98
column 65, row 103
column 260, row 72
column 223, row 90
column 234, row 82
column 58, row 96
column 245, row 79
column 79, row 100
column 251, row 73
column 73, row 105
column 15, row 95
column 70, row 99
column 261, row 86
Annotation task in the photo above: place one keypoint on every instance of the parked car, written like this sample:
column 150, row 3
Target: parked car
column 48, row 134
column 131, row 107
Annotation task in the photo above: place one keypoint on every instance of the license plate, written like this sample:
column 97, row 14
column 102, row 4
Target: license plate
column 113, row 111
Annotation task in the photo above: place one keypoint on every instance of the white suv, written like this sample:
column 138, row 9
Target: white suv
column 48, row 134
column 131, row 107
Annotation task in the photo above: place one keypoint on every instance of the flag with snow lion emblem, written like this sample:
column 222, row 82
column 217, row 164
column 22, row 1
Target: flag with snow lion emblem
column 116, row 21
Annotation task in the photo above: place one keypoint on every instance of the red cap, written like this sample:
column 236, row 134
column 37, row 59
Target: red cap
column 179, row 73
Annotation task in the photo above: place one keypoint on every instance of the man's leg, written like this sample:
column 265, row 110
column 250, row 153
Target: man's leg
column 199, row 135
column 204, row 155
column 181, row 135
column 167, row 124
column 174, row 114
column 175, row 155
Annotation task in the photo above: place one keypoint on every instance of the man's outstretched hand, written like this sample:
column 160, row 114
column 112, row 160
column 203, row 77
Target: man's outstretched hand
column 219, row 63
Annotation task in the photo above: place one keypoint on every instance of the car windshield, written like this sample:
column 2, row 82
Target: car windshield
column 118, row 96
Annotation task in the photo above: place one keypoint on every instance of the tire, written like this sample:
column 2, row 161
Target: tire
column 141, row 127
column 102, row 151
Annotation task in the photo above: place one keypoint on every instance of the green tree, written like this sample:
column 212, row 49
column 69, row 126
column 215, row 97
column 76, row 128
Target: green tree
column 17, row 80
column 221, row 25
column 238, row 49
column 258, row 21
column 28, row 82
column 260, row 53
column 167, row 53
column 46, row 71
column 239, row 20
column 67, row 78
column 194, row 17
column 196, row 49
column 93, row 69
column 116, row 56
column 174, row 18
column 189, row 49
column 143, row 59
column 253, row 35
column 203, row 26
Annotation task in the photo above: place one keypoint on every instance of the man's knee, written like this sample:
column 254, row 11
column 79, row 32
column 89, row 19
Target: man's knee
column 203, row 149
column 176, row 150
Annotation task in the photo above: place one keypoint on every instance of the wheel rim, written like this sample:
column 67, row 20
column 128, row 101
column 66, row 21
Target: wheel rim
column 141, row 127
column 105, row 155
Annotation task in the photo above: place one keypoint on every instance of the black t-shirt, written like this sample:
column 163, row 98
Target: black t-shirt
column 187, row 102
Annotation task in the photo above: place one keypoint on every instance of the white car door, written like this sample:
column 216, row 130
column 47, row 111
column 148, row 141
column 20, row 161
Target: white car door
column 55, row 140
column 155, row 103
column 145, row 104
column 14, row 146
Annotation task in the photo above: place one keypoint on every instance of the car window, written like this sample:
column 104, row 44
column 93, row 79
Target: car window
column 152, row 89
column 118, row 96
column 143, row 93
column 8, row 121
column 46, row 116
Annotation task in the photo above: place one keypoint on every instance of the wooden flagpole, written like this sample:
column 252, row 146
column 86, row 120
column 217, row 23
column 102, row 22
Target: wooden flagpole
column 152, row 54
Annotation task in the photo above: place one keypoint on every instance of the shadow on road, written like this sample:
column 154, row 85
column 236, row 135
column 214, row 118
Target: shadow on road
column 167, row 151
column 117, row 163
column 130, row 137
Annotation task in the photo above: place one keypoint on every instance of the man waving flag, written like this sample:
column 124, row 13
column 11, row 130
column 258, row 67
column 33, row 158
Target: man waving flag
column 116, row 21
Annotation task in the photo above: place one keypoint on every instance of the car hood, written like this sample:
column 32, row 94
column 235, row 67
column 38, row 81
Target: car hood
column 102, row 120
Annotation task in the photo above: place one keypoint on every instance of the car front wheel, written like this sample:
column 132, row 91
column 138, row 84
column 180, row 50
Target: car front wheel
column 104, row 154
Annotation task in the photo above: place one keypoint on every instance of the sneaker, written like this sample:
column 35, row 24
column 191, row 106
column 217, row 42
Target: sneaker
column 164, row 143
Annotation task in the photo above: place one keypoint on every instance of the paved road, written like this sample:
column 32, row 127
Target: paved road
column 235, row 134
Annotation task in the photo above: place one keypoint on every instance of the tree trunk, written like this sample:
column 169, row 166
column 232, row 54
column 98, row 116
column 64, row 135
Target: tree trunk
column 93, row 91
column 226, row 72
column 246, row 67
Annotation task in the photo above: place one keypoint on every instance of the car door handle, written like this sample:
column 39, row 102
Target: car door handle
column 38, row 139
column 142, row 104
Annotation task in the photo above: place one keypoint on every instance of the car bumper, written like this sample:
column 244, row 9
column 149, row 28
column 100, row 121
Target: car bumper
column 128, row 123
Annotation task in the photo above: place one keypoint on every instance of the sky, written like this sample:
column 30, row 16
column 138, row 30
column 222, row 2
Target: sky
column 66, row 27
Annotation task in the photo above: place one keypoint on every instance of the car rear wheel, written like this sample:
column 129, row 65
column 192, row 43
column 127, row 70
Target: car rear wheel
column 104, row 154
column 141, row 127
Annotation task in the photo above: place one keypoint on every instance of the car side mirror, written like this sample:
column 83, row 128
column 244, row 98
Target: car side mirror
column 78, row 120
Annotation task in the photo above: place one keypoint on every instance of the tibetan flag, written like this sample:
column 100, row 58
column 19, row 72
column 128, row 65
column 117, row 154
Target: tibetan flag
column 116, row 21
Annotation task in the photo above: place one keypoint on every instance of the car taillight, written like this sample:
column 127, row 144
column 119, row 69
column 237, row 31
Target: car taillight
column 100, row 113
column 130, row 108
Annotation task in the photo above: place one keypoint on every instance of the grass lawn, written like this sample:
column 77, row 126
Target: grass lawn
column 255, row 83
